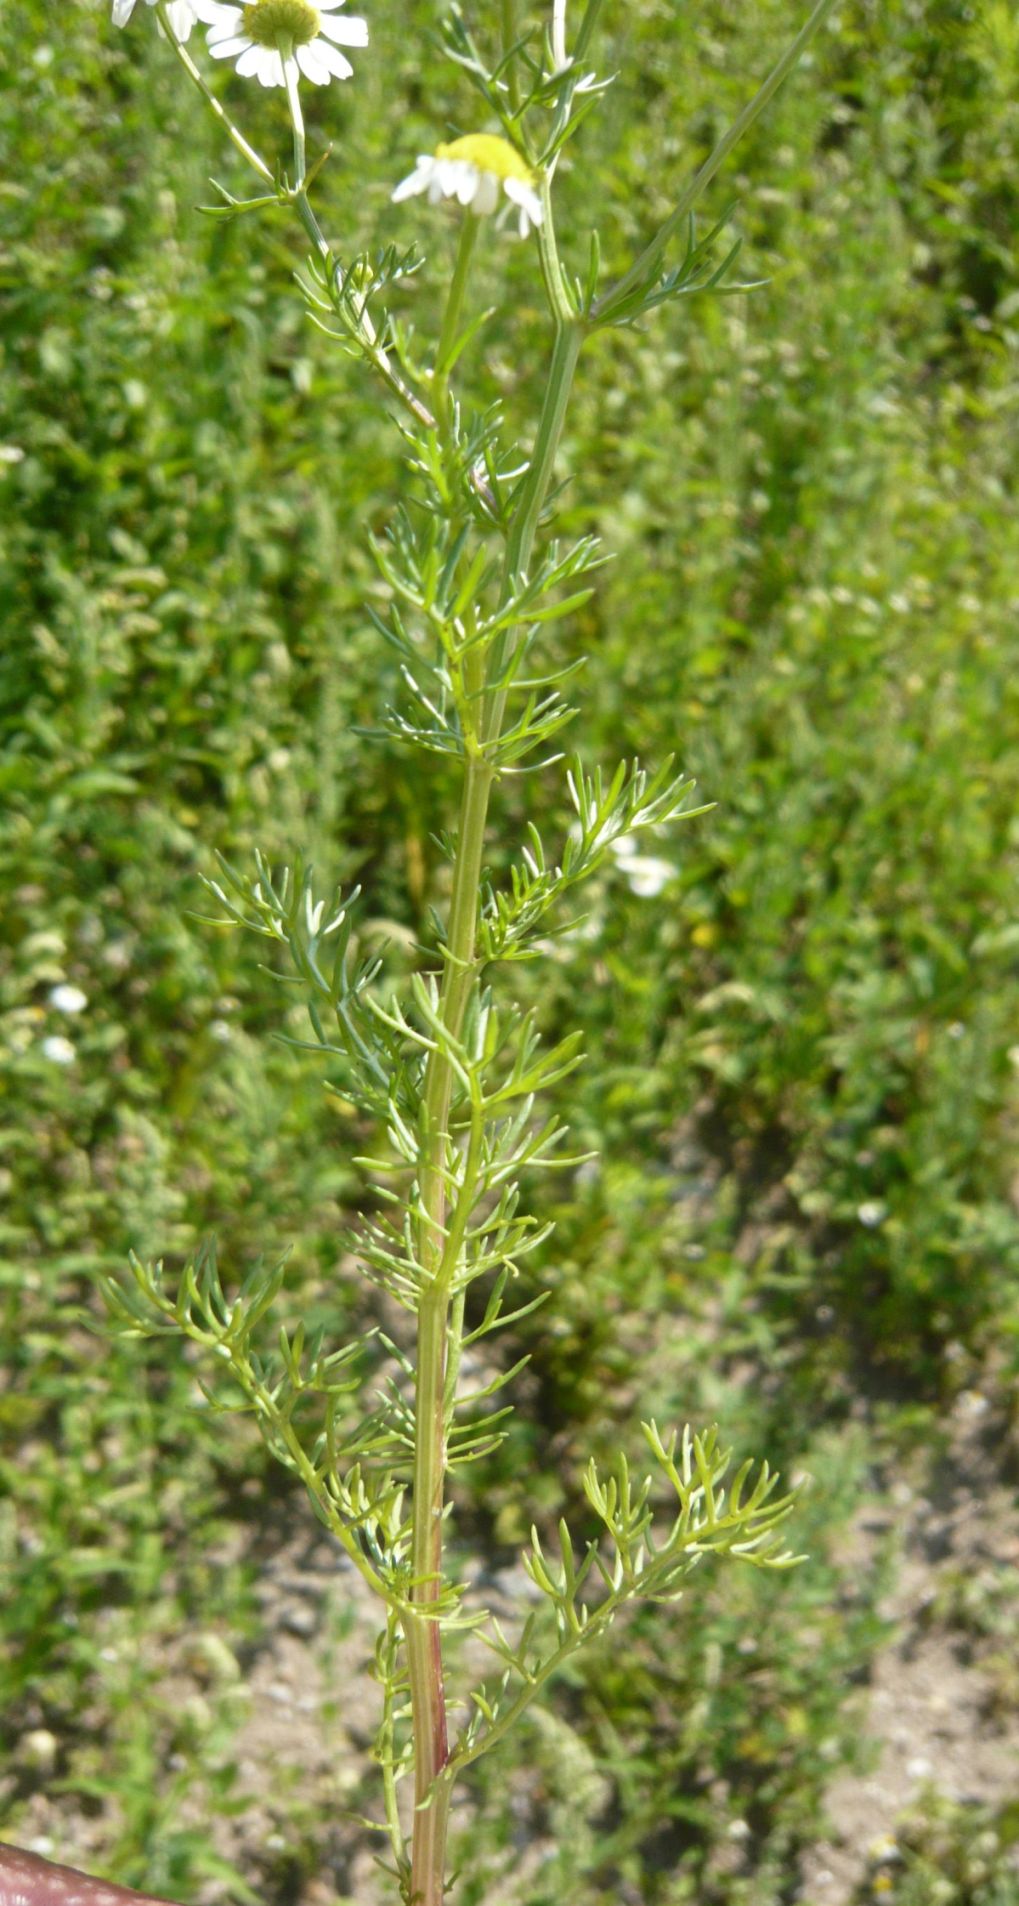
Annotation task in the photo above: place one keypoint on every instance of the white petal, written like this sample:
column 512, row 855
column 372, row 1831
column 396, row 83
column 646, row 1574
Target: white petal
column 311, row 66
column 181, row 18
column 527, row 198
column 446, row 174
column 331, row 58
column 229, row 49
column 214, row 13
column 262, row 63
column 415, row 181
column 350, row 31
column 122, row 11
column 486, row 196
column 457, row 179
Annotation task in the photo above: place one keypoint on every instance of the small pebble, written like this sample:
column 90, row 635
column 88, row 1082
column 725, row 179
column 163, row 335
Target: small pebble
column 299, row 1620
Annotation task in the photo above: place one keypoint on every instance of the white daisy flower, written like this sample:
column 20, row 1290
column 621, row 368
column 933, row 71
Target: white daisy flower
column 260, row 36
column 472, row 170
column 58, row 1050
column 180, row 13
column 645, row 874
column 68, row 999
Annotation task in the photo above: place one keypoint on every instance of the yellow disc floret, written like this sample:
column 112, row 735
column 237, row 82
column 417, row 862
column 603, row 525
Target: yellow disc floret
column 272, row 22
column 487, row 151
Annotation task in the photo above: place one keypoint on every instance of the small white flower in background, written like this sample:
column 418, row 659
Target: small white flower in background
column 258, row 36
column 471, row 170
column 68, row 999
column 871, row 1213
column 645, row 874
column 59, row 1050
column 181, row 14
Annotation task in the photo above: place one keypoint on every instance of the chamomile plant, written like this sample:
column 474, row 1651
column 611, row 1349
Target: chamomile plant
column 450, row 1072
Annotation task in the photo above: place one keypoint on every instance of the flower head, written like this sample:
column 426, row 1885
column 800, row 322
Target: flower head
column 68, row 999
column 471, row 170
column 262, row 35
column 181, row 14
column 58, row 1050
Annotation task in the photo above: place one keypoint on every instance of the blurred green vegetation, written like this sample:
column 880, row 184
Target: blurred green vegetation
column 801, row 1054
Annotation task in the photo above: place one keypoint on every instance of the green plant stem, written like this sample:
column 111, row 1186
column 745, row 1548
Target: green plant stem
column 600, row 1620
column 469, row 228
column 233, row 133
column 438, row 1316
column 520, row 542
column 309, row 1475
column 292, row 80
column 559, row 55
column 446, row 353
column 366, row 332
column 423, row 1635
column 509, row 39
column 557, row 291
column 645, row 267
column 570, row 64
column 387, row 1757
column 587, row 28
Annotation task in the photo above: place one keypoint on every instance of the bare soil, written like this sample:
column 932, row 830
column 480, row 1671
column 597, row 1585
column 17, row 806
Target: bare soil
column 941, row 1712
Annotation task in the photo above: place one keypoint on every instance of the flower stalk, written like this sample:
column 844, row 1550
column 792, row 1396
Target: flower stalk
column 233, row 133
column 438, row 1330
column 291, row 79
